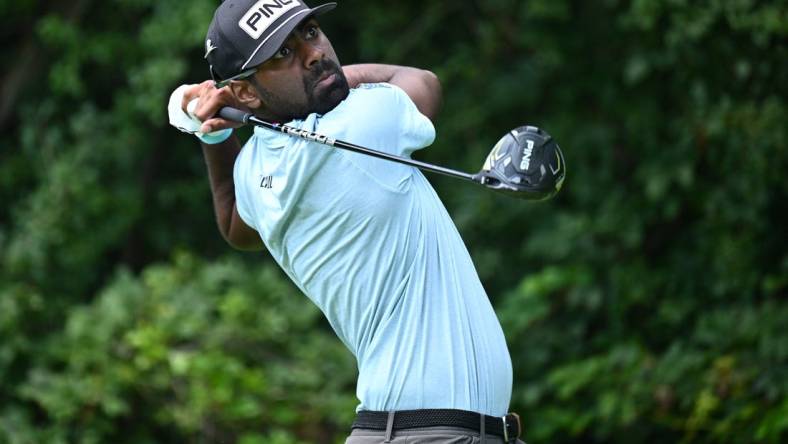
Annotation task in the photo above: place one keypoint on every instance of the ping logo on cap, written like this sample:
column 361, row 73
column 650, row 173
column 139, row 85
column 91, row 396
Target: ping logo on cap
column 260, row 16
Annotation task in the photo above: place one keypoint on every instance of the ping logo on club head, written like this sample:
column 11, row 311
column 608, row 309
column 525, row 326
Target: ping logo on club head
column 527, row 150
column 263, row 13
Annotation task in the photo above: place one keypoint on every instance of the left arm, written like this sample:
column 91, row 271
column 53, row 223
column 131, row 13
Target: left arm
column 422, row 86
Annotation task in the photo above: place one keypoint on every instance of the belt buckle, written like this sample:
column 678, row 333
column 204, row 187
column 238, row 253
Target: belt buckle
column 506, row 436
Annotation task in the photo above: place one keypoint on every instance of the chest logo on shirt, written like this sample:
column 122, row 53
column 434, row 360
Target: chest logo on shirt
column 267, row 182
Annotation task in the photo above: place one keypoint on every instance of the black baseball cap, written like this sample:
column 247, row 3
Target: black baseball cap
column 246, row 33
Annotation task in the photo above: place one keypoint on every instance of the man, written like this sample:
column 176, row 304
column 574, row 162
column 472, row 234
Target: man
column 368, row 241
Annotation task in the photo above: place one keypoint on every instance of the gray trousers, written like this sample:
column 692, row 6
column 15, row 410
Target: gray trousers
column 426, row 435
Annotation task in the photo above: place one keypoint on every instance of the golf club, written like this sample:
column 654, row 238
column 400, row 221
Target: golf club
column 526, row 163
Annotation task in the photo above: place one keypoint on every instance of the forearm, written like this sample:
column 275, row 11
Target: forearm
column 423, row 87
column 219, row 157
column 220, row 160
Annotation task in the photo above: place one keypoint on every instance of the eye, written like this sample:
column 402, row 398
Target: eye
column 312, row 31
column 282, row 53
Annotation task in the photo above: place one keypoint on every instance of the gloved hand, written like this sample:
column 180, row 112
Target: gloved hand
column 188, row 122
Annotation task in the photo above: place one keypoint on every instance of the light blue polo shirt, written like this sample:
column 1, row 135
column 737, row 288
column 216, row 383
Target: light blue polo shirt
column 371, row 244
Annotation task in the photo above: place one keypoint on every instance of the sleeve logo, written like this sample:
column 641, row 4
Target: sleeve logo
column 265, row 12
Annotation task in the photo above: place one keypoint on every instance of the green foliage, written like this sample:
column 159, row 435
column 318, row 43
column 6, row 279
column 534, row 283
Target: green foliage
column 196, row 351
column 646, row 303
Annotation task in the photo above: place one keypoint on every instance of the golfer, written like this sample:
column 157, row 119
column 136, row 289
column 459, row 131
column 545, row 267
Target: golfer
column 368, row 241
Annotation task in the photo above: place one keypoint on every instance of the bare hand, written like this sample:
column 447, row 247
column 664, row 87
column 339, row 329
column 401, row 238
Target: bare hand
column 211, row 100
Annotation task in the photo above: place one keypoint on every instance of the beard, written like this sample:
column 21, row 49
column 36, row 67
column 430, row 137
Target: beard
column 327, row 98
column 318, row 101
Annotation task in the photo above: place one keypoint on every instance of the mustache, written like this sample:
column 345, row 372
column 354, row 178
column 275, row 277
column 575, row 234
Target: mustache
column 321, row 68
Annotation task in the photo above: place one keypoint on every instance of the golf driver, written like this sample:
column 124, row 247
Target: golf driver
column 526, row 163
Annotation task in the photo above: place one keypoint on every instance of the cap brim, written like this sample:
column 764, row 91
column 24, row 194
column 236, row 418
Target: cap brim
column 277, row 39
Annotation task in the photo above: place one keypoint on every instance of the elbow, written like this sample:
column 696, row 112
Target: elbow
column 431, row 79
column 434, row 93
column 433, row 84
column 430, row 95
column 237, row 234
column 248, row 247
column 242, row 240
column 241, row 243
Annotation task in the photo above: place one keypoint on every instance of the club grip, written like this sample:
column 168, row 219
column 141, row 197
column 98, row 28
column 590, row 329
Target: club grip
column 234, row 115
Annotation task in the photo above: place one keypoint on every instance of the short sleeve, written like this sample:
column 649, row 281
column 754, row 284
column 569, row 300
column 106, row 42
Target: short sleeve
column 381, row 116
column 417, row 130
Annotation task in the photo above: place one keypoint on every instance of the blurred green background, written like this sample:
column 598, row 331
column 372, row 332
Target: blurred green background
column 645, row 303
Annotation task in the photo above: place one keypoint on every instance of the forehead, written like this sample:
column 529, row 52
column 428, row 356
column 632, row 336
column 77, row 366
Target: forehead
column 309, row 21
column 292, row 37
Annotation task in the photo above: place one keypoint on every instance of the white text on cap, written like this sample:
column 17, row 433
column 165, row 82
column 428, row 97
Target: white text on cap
column 260, row 16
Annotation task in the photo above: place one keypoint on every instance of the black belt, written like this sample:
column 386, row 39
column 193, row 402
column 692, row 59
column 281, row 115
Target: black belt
column 507, row 427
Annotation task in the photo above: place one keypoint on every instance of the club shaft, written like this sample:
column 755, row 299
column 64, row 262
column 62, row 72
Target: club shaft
column 247, row 118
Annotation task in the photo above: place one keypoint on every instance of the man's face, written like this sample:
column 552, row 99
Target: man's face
column 303, row 77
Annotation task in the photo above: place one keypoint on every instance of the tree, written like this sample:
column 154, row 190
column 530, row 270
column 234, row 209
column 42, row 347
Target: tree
column 645, row 303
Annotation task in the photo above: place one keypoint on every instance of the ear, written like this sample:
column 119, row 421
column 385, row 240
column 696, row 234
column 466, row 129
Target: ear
column 246, row 93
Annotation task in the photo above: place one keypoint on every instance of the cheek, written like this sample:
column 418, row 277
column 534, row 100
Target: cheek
column 286, row 86
column 331, row 54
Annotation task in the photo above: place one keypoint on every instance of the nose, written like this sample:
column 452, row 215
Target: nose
column 311, row 53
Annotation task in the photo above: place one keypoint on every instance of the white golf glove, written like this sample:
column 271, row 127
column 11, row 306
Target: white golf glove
column 189, row 123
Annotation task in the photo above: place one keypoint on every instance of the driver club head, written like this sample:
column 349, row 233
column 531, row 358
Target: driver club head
column 526, row 163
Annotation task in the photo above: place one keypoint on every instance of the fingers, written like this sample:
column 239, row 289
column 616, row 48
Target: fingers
column 217, row 124
column 194, row 91
column 211, row 100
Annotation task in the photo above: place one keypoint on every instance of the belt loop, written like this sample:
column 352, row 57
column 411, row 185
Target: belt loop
column 389, row 427
column 508, row 438
column 482, row 431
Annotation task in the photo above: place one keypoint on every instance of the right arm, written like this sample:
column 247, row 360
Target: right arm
column 423, row 87
column 220, row 159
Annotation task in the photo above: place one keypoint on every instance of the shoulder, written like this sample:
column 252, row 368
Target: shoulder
column 370, row 109
column 374, row 98
column 373, row 104
column 381, row 116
